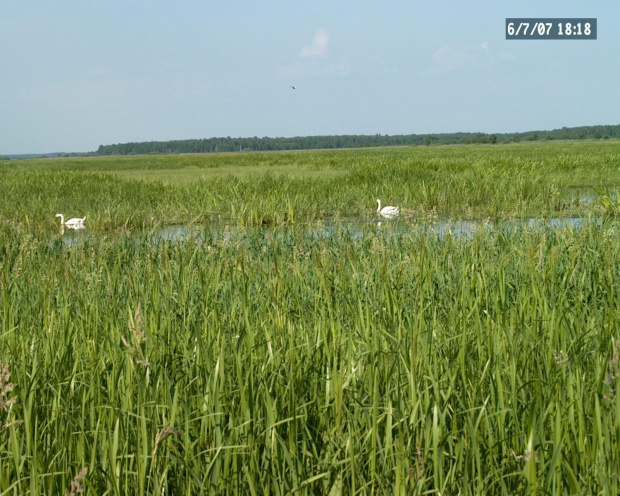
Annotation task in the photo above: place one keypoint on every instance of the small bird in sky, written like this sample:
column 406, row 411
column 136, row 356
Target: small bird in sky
column 293, row 87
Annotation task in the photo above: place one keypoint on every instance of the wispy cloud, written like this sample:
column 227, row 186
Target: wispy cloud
column 100, row 71
column 318, row 47
column 97, row 90
column 76, row 93
column 451, row 59
column 312, row 61
column 304, row 68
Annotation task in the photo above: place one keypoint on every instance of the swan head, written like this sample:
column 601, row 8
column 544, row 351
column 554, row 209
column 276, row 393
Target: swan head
column 58, row 215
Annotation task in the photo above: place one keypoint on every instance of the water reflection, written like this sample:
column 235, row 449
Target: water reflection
column 71, row 227
column 355, row 229
column 358, row 229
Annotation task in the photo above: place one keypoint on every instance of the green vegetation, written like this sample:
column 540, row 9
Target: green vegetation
column 283, row 361
column 294, row 187
column 187, row 175
column 214, row 145
column 275, row 364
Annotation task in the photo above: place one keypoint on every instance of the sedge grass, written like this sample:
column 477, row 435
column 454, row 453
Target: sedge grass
column 288, row 364
column 292, row 187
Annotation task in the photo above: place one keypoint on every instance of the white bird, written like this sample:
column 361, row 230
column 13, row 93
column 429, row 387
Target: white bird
column 387, row 211
column 75, row 223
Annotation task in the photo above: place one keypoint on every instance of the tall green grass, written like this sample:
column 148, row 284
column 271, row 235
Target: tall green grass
column 291, row 364
column 458, row 182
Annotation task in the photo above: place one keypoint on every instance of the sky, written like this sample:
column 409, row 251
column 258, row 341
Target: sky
column 77, row 74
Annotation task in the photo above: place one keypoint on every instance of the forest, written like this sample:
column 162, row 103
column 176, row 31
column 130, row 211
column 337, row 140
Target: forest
column 228, row 144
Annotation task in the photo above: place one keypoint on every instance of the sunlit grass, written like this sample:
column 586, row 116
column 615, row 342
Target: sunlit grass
column 248, row 363
column 292, row 360
column 189, row 175
column 253, row 188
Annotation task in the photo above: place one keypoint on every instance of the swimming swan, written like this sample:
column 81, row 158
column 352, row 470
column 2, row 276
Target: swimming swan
column 387, row 211
column 75, row 223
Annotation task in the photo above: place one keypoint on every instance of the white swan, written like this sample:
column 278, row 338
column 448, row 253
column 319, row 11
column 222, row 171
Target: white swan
column 387, row 211
column 75, row 223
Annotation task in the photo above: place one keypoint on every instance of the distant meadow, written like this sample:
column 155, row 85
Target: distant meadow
column 253, row 188
column 291, row 341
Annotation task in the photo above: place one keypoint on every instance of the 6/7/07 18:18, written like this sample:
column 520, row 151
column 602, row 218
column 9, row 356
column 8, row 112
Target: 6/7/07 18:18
column 583, row 28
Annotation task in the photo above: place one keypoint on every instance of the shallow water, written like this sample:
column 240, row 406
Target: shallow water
column 465, row 228
column 587, row 195
column 357, row 227
column 353, row 228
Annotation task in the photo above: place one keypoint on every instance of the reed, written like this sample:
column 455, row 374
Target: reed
column 285, row 362
column 295, row 187
column 302, row 359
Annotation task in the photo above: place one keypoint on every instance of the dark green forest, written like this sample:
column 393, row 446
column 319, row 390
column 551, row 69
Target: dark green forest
column 228, row 144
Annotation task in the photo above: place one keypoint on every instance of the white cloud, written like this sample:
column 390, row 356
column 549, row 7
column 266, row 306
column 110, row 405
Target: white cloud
column 485, row 46
column 318, row 46
column 312, row 61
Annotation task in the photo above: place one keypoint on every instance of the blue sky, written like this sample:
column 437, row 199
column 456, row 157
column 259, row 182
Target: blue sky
column 77, row 74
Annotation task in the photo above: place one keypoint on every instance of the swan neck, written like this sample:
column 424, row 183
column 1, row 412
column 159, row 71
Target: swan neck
column 378, row 205
column 62, row 219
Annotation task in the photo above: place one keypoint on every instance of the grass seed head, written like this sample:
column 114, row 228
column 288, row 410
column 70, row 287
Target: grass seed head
column 136, row 327
column 76, row 483
column 6, row 386
column 560, row 358
column 163, row 434
column 613, row 372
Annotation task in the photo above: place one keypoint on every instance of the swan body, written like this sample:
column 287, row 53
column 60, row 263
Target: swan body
column 75, row 223
column 387, row 211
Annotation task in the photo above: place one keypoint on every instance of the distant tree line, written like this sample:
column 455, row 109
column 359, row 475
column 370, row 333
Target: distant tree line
column 228, row 144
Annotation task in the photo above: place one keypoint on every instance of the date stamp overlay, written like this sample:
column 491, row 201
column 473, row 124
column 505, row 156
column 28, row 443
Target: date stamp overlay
column 577, row 28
